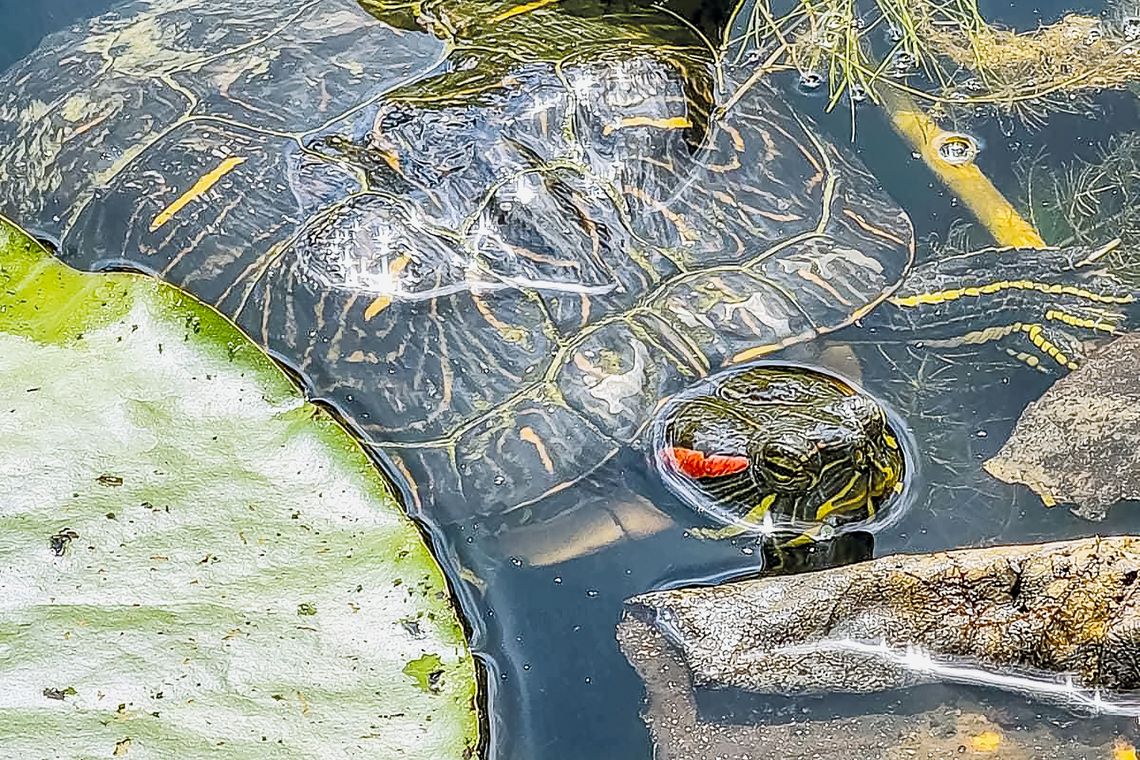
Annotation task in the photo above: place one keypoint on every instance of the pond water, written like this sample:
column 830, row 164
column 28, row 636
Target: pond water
column 558, row 684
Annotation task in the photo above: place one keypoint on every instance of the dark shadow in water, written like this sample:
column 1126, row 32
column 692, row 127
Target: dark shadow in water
column 27, row 22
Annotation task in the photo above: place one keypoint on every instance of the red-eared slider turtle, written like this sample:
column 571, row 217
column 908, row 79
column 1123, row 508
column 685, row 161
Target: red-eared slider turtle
column 797, row 448
column 499, row 248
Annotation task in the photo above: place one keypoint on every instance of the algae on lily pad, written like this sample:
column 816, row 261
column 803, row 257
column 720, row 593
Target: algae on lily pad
column 195, row 562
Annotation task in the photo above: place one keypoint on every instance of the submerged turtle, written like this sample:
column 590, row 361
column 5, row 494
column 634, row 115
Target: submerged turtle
column 497, row 247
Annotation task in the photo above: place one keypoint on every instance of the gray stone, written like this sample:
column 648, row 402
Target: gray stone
column 948, row 724
column 1079, row 444
column 1012, row 616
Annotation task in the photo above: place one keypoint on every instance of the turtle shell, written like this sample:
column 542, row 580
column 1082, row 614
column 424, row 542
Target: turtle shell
column 496, row 264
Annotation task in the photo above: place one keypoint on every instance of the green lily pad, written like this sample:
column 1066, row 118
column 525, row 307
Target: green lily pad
column 194, row 561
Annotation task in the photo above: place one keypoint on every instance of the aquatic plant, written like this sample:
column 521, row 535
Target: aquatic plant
column 1084, row 201
column 946, row 55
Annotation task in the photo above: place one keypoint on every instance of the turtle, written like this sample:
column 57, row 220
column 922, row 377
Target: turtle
column 496, row 236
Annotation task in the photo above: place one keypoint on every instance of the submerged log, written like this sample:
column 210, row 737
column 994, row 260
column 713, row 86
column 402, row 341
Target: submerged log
column 1013, row 616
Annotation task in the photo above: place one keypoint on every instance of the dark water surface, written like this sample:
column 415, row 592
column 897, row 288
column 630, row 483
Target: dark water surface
column 561, row 688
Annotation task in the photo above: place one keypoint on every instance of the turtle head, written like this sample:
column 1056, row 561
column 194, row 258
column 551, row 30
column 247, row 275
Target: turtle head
column 779, row 449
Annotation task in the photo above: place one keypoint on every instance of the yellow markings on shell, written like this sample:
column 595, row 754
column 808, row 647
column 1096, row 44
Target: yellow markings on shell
column 756, row 352
column 519, row 10
column 672, row 122
column 203, row 185
column 382, row 302
column 737, row 138
column 531, row 437
column 974, row 291
column 822, row 284
column 776, row 217
column 682, row 227
column 872, row 229
column 393, row 161
column 510, row 333
column 86, row 126
column 966, row 181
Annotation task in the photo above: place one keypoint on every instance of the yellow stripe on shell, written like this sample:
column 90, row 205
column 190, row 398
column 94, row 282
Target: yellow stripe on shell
column 382, row 302
column 672, row 122
column 203, row 185
column 533, row 438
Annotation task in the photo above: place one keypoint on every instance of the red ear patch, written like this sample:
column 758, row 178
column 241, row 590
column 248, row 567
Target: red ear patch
column 697, row 464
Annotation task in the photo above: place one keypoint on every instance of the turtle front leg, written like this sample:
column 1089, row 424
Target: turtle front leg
column 756, row 520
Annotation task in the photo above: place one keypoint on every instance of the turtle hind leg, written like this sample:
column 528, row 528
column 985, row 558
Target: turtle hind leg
column 1059, row 347
column 989, row 295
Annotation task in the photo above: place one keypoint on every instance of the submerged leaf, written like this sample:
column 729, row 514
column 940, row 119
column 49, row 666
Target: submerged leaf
column 241, row 590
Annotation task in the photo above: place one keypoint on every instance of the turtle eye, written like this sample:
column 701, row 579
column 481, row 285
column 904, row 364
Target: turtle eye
column 789, row 463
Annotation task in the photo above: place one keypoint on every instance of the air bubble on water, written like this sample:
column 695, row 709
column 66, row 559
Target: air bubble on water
column 1130, row 28
column 810, row 81
column 747, row 551
column 956, row 148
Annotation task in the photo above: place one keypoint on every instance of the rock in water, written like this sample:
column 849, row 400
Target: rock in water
column 928, row 722
column 1013, row 616
column 1079, row 444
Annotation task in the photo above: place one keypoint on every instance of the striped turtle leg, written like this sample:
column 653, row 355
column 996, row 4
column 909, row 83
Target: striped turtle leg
column 1038, row 303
